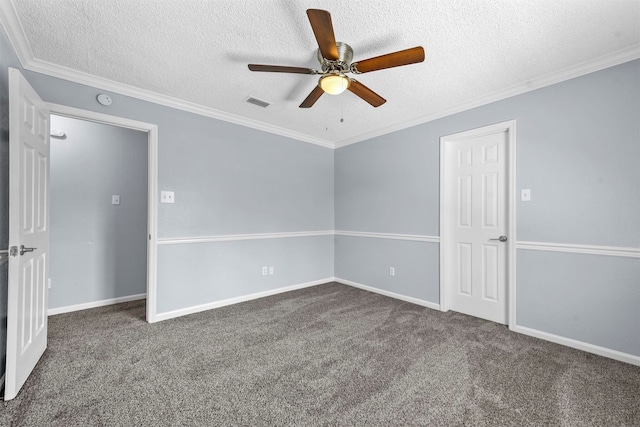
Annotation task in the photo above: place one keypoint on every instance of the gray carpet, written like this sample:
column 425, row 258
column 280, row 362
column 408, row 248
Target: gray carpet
column 327, row 355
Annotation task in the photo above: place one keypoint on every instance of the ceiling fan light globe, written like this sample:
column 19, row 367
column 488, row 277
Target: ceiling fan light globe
column 334, row 84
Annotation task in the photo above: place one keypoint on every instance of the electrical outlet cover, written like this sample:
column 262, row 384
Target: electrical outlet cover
column 167, row 197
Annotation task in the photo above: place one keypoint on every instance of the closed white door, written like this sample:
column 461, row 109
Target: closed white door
column 475, row 228
column 28, row 232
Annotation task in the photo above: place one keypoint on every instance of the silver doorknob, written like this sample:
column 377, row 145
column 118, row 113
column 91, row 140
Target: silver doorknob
column 23, row 249
column 501, row 238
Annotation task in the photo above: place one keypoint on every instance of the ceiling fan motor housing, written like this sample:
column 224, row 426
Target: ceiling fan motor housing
column 340, row 65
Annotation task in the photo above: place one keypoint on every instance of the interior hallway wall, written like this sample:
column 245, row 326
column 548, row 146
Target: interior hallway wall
column 98, row 249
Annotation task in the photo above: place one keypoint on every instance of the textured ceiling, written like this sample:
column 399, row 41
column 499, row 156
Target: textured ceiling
column 197, row 51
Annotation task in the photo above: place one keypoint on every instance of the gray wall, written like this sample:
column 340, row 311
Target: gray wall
column 222, row 270
column 581, row 296
column 390, row 184
column 366, row 260
column 227, row 179
column 230, row 179
column 578, row 150
column 98, row 250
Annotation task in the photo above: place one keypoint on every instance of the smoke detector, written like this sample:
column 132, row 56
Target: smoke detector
column 104, row 99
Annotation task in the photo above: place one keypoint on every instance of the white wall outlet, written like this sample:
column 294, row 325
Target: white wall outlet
column 49, row 283
column 265, row 270
column 270, row 271
column 115, row 199
column 167, row 197
column 392, row 271
column 525, row 195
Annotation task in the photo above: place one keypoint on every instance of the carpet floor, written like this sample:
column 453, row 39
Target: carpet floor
column 326, row 355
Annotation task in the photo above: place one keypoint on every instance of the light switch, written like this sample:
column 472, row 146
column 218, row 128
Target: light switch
column 115, row 199
column 525, row 195
column 166, row 197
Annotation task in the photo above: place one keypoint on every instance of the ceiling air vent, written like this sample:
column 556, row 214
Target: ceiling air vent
column 258, row 102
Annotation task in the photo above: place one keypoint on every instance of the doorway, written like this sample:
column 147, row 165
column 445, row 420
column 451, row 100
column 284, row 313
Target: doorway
column 98, row 214
column 477, row 222
column 118, row 203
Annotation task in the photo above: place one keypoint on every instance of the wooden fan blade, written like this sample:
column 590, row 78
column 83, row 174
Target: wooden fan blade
column 323, row 30
column 390, row 60
column 312, row 98
column 365, row 93
column 280, row 69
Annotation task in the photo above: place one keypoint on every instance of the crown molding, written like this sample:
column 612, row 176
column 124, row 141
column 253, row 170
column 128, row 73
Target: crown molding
column 17, row 37
column 65, row 73
column 597, row 64
column 15, row 33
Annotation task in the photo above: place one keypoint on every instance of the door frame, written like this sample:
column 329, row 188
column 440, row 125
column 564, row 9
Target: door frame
column 445, row 153
column 152, row 186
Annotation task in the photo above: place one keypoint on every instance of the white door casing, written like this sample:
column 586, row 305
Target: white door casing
column 28, row 228
column 476, row 210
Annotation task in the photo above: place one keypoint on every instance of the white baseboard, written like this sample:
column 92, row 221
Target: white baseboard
column 412, row 300
column 216, row 304
column 94, row 304
column 580, row 345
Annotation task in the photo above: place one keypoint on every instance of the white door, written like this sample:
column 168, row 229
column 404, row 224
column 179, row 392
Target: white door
column 28, row 231
column 475, row 228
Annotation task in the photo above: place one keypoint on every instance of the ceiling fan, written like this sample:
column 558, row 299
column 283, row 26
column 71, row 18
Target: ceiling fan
column 335, row 61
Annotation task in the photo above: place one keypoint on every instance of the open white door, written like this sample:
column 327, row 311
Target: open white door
column 28, row 232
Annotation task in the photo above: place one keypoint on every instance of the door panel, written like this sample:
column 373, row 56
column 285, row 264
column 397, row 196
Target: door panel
column 464, row 201
column 465, row 268
column 490, row 201
column 490, row 264
column 28, row 228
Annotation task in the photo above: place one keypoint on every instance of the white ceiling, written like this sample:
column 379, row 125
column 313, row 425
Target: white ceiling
column 194, row 54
